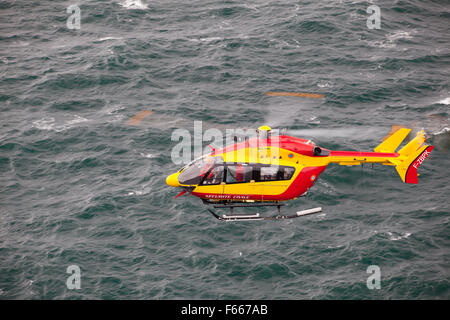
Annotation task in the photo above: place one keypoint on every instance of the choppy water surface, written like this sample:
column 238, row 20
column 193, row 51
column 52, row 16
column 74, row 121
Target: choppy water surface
column 80, row 186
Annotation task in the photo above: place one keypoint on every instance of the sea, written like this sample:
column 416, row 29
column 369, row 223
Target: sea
column 91, row 93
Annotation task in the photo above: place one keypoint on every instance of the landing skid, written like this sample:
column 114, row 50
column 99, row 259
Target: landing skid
column 257, row 216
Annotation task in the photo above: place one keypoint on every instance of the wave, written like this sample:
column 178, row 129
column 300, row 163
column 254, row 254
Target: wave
column 50, row 124
column 108, row 38
column 144, row 191
column 391, row 39
column 148, row 155
column 443, row 131
column 444, row 101
column 134, row 4
column 399, row 35
column 325, row 84
column 207, row 39
column 393, row 237
column 76, row 120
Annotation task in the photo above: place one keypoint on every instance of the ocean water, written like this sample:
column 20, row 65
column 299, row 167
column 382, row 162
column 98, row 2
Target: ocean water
column 80, row 185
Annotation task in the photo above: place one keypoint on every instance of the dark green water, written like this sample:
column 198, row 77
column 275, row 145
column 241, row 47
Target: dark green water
column 78, row 186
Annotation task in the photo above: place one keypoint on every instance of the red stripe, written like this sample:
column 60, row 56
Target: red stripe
column 362, row 154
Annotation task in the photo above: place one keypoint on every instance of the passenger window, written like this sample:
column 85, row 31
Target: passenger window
column 275, row 173
column 239, row 174
column 269, row 173
column 215, row 176
column 247, row 172
column 288, row 172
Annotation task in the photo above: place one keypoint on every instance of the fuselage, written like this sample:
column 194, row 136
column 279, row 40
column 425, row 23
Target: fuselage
column 277, row 168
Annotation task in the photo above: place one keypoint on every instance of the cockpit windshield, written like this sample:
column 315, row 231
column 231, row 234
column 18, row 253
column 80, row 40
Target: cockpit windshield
column 192, row 173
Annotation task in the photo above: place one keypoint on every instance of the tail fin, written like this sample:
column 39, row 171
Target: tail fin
column 408, row 168
column 411, row 157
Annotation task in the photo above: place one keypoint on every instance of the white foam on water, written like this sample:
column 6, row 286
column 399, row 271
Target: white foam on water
column 281, row 44
column 114, row 114
column 206, row 40
column 399, row 35
column 391, row 40
column 143, row 191
column 444, row 101
column 50, row 124
column 443, row 131
column 209, row 39
column 335, row 247
column 113, row 109
column 76, row 120
column 20, row 43
column 384, row 44
column 393, row 237
column 320, row 217
column 108, row 38
column 324, row 84
column 133, row 4
column 137, row 193
column 148, row 155
column 314, row 120
column 44, row 124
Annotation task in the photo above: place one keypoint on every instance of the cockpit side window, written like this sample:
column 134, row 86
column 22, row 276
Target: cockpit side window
column 214, row 176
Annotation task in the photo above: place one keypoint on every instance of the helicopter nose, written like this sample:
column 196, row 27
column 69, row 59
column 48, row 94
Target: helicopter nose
column 172, row 180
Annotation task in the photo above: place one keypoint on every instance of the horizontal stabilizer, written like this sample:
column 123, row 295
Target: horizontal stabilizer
column 390, row 144
column 413, row 145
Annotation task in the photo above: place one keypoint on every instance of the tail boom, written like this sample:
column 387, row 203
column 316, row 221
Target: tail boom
column 406, row 161
column 350, row 158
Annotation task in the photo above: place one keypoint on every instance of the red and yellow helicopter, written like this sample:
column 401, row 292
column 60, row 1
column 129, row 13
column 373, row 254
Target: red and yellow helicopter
column 267, row 170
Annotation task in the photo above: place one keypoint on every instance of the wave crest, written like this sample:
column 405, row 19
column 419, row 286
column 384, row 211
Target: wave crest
column 134, row 4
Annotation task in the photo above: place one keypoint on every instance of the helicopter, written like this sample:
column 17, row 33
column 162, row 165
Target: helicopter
column 270, row 169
